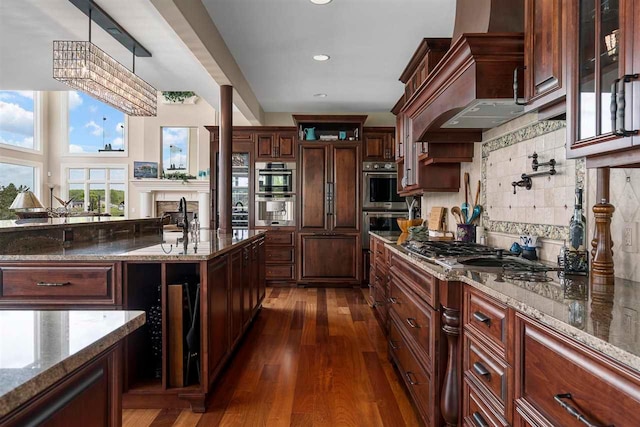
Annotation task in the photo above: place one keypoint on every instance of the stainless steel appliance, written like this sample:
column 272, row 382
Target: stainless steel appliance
column 275, row 178
column 380, row 188
column 275, row 210
column 379, row 221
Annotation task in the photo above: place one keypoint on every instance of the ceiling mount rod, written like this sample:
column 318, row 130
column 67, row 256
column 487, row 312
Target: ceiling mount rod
column 106, row 22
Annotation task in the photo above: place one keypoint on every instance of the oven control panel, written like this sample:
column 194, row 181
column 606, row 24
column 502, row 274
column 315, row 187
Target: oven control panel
column 379, row 166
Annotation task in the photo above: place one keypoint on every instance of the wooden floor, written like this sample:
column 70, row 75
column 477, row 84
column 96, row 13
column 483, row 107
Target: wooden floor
column 314, row 357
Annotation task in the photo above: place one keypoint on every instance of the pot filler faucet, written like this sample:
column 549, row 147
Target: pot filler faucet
column 183, row 222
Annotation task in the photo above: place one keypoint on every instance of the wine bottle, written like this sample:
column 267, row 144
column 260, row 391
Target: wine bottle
column 577, row 226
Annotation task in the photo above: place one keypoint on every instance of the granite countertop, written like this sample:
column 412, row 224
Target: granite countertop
column 606, row 320
column 38, row 348
column 390, row 237
column 38, row 223
column 149, row 248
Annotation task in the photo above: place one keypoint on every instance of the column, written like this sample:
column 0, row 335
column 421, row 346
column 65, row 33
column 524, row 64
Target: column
column 204, row 207
column 146, row 201
column 224, row 167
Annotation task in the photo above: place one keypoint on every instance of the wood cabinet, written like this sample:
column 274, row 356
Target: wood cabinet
column 236, row 290
column 590, row 389
column 379, row 281
column 275, row 145
column 218, row 275
column 378, row 144
column 603, row 90
column 329, row 212
column 87, row 396
column 46, row 284
column 280, row 256
column 545, row 54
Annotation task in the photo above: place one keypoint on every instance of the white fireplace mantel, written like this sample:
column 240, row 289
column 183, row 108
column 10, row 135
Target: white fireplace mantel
column 169, row 189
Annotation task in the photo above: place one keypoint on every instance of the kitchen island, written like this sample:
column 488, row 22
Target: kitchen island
column 520, row 349
column 63, row 367
column 210, row 293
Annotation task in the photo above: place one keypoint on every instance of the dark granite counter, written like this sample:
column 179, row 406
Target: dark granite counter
column 8, row 225
column 150, row 248
column 390, row 237
column 39, row 348
column 606, row 320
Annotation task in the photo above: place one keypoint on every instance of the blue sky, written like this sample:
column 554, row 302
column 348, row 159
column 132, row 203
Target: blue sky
column 178, row 139
column 16, row 118
column 90, row 121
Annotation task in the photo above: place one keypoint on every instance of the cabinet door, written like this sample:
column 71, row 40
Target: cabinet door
column 374, row 145
column 262, row 276
column 543, row 51
column 389, row 146
column 285, row 146
column 345, row 187
column 313, row 180
column 218, row 312
column 235, row 293
column 324, row 257
column 399, row 149
column 247, row 303
column 265, row 145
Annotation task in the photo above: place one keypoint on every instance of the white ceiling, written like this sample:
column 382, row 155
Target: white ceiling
column 369, row 41
column 28, row 28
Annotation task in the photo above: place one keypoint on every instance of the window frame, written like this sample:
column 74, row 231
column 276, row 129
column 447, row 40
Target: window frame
column 38, row 123
column 64, row 111
column 65, row 181
column 37, row 173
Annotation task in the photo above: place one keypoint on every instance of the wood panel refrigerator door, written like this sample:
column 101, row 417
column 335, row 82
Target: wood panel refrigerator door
column 218, row 311
column 329, row 257
column 344, row 211
column 313, row 180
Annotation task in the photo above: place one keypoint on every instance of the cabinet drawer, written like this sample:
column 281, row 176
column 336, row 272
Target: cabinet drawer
column 414, row 317
column 557, row 376
column 419, row 281
column 476, row 412
column 486, row 317
column 284, row 238
column 489, row 372
column 380, row 302
column 51, row 284
column 414, row 376
column 279, row 255
column 280, row 272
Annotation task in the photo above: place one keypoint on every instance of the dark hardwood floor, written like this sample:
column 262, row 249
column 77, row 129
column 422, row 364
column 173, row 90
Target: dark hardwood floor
column 314, row 357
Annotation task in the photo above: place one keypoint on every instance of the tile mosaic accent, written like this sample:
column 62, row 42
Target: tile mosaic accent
column 543, row 210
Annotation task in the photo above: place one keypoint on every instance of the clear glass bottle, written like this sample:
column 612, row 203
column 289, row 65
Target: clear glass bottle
column 577, row 226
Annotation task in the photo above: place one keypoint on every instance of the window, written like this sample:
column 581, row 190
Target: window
column 175, row 150
column 94, row 127
column 14, row 178
column 18, row 119
column 97, row 189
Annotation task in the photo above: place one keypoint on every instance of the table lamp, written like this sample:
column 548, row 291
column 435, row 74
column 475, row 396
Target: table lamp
column 24, row 205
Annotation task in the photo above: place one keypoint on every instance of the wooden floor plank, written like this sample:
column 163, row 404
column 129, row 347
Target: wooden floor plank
column 314, row 357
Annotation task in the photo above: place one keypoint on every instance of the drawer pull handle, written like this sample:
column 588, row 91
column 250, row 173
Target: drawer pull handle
column 478, row 420
column 412, row 322
column 393, row 345
column 53, row 284
column 573, row 411
column 392, row 300
column 481, row 370
column 483, row 318
column 411, row 378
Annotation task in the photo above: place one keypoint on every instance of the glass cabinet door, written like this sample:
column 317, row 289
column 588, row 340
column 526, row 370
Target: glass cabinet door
column 599, row 57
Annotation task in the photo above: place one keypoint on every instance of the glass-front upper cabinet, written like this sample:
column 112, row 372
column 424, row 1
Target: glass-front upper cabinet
column 600, row 63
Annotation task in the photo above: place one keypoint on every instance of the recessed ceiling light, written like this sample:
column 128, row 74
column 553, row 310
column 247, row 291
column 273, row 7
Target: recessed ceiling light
column 320, row 1
column 320, row 95
column 321, row 57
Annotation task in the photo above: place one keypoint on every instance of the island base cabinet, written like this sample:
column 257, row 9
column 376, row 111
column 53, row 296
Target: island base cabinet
column 557, row 379
column 90, row 396
column 333, row 258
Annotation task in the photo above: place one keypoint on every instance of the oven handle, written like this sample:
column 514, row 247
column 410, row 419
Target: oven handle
column 272, row 172
column 389, row 174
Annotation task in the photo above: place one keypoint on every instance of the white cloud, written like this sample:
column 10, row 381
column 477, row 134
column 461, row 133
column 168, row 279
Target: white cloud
column 16, row 174
column 26, row 142
column 6, row 95
column 117, row 143
column 94, row 128
column 73, row 148
column 25, row 93
column 172, row 136
column 15, row 119
column 74, row 99
column 71, row 128
column 93, row 108
column 119, row 127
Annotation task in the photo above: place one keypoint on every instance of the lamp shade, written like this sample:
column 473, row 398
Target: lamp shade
column 26, row 200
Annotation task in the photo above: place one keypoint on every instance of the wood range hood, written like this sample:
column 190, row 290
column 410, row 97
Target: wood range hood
column 471, row 88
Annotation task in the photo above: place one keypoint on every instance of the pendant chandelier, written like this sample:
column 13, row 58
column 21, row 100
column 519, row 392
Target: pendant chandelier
column 84, row 66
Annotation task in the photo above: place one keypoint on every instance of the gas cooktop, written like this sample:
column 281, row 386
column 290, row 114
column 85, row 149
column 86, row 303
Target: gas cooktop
column 454, row 255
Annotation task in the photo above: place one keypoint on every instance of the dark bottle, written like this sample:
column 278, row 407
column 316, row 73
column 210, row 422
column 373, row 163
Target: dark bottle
column 577, row 226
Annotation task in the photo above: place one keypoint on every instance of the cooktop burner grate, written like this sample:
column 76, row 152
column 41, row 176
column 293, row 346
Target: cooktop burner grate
column 447, row 249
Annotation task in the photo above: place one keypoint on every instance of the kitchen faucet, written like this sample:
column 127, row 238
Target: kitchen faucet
column 183, row 222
